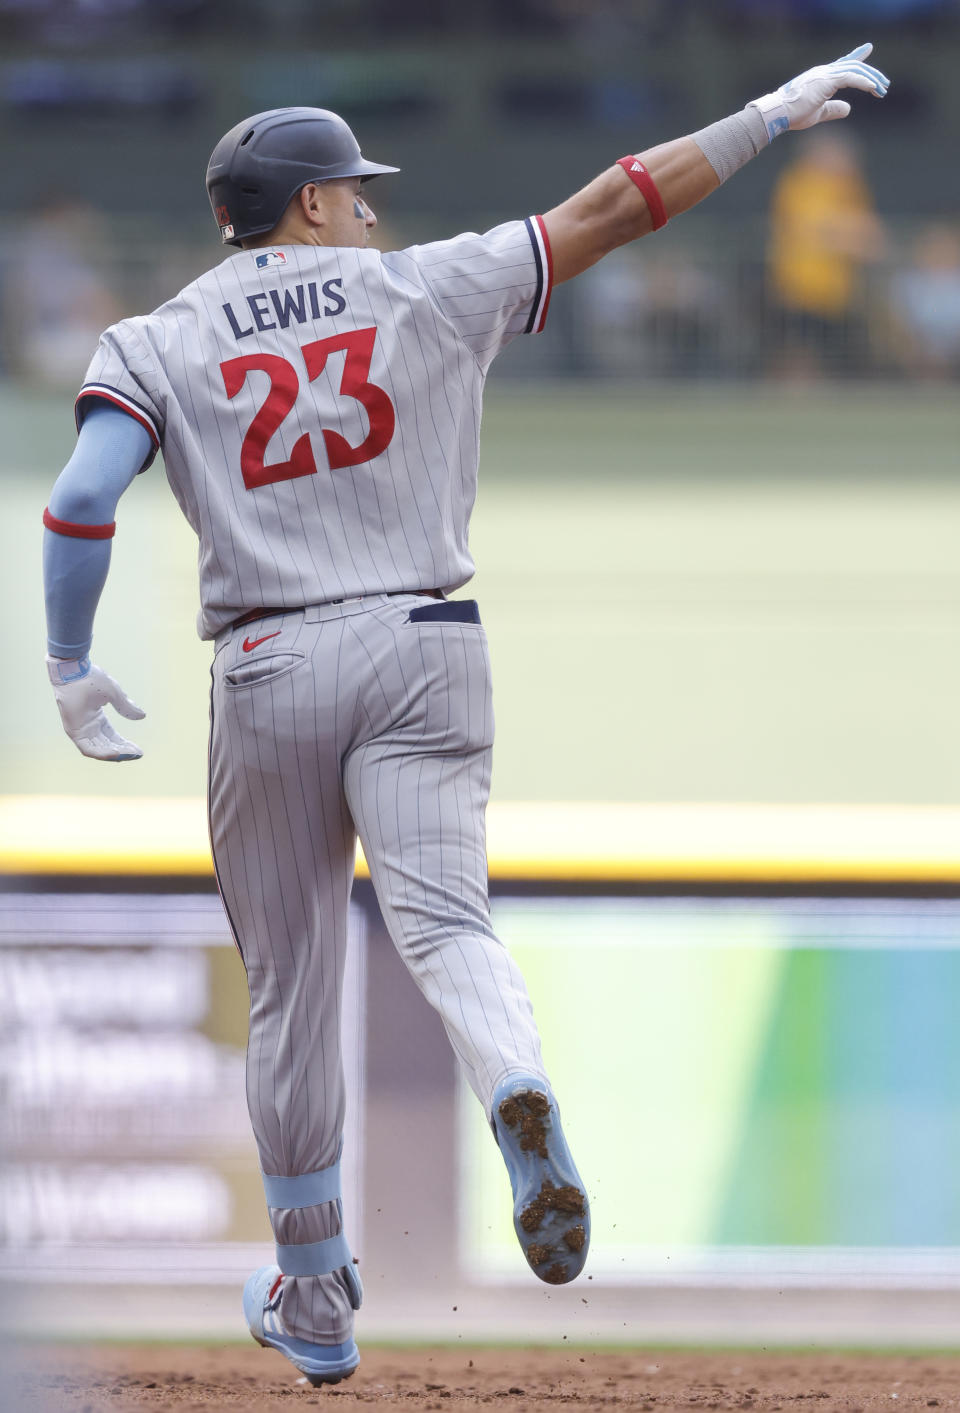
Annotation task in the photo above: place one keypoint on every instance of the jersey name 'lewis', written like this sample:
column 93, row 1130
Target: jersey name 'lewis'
column 274, row 308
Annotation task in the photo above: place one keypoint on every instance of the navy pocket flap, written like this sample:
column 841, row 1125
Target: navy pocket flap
column 452, row 611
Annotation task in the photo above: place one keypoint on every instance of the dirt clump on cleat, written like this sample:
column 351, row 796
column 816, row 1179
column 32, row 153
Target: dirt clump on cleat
column 531, row 1218
column 535, row 1103
column 568, row 1200
column 556, row 1275
column 529, row 1109
column 539, row 1255
column 575, row 1237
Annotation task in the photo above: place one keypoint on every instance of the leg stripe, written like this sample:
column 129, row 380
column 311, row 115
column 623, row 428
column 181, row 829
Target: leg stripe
column 307, row 1190
column 314, row 1258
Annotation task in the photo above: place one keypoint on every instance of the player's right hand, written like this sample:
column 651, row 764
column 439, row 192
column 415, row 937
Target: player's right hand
column 808, row 99
column 82, row 691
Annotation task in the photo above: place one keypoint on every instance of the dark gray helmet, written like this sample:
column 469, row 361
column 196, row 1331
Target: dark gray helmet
column 257, row 167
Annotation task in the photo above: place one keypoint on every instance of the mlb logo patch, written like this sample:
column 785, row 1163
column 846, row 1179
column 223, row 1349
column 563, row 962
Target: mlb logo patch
column 270, row 257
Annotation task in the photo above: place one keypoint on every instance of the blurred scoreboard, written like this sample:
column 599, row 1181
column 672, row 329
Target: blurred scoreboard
column 748, row 1016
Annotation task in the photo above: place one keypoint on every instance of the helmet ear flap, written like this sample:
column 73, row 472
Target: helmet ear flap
column 259, row 166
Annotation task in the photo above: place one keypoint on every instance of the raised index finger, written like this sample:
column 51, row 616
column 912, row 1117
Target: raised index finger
column 861, row 52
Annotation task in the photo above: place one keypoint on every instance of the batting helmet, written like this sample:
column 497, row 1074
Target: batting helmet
column 257, row 167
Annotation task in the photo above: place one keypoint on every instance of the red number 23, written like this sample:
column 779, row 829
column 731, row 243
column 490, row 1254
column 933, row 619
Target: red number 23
column 284, row 389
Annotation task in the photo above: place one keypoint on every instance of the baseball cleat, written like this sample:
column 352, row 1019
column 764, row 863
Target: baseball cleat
column 321, row 1363
column 551, row 1214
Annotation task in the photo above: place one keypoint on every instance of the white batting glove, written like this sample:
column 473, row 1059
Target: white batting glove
column 808, row 99
column 82, row 691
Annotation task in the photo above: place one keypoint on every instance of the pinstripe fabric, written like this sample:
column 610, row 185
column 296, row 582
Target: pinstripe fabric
column 397, row 521
column 358, row 720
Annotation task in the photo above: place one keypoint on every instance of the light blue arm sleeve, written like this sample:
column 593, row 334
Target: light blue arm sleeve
column 111, row 448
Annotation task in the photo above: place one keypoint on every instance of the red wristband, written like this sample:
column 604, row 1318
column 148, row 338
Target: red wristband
column 642, row 179
column 79, row 532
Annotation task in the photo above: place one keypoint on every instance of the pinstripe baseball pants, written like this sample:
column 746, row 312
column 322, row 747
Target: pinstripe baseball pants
column 349, row 719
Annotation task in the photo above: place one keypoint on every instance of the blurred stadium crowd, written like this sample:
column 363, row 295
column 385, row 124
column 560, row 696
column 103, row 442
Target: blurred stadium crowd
column 838, row 291
column 837, row 257
column 70, row 19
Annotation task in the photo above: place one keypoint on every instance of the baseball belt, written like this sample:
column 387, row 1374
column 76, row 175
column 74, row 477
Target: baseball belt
column 256, row 613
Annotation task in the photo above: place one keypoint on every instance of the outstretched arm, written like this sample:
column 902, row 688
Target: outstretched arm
column 111, row 449
column 639, row 194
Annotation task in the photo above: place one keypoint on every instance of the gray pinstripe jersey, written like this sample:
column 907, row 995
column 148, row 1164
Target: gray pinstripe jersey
column 319, row 410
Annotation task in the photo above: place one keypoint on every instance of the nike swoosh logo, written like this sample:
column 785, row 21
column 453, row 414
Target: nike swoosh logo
column 248, row 647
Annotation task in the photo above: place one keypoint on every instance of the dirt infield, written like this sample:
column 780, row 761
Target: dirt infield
column 88, row 1379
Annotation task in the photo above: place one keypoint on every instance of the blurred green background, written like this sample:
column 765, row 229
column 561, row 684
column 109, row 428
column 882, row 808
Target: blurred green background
column 806, row 1078
column 733, row 593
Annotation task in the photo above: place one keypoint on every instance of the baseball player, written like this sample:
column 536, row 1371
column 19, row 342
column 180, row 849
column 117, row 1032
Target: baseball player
column 318, row 407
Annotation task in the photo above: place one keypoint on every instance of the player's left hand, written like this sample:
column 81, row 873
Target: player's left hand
column 808, row 99
column 82, row 691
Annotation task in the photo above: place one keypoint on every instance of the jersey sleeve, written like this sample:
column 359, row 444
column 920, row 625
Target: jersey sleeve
column 491, row 287
column 123, row 373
